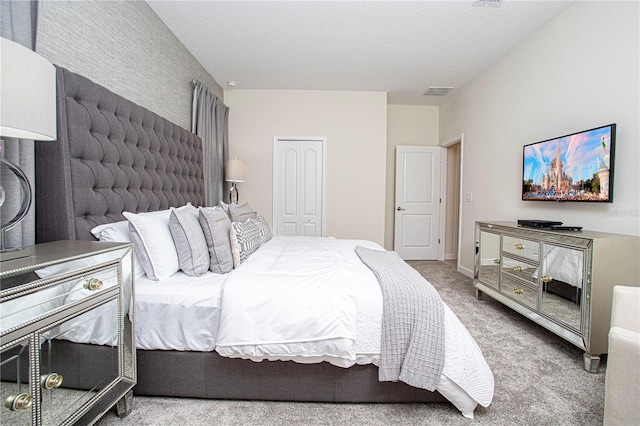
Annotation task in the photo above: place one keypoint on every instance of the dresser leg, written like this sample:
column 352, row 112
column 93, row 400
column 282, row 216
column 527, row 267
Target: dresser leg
column 478, row 294
column 124, row 406
column 591, row 362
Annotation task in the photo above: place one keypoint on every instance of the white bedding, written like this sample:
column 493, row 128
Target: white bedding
column 180, row 313
column 290, row 290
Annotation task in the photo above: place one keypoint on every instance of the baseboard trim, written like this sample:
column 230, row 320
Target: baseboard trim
column 465, row 271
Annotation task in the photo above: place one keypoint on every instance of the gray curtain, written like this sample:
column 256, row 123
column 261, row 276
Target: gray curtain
column 18, row 22
column 210, row 118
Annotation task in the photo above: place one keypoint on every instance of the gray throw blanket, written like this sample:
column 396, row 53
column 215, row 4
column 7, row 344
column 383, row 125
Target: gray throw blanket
column 412, row 344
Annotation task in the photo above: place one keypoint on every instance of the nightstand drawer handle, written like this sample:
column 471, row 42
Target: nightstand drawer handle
column 518, row 269
column 51, row 381
column 520, row 246
column 496, row 261
column 546, row 279
column 93, row 284
column 18, row 402
column 517, row 290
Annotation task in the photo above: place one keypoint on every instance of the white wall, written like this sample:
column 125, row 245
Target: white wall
column 578, row 72
column 355, row 125
column 406, row 125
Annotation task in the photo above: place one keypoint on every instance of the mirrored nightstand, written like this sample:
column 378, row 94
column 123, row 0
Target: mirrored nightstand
column 67, row 342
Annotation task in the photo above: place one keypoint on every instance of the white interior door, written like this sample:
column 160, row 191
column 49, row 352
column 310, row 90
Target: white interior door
column 417, row 202
column 299, row 187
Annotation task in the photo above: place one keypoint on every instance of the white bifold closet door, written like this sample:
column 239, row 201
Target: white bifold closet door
column 298, row 195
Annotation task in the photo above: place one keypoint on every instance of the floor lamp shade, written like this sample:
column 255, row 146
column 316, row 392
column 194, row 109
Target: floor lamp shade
column 27, row 111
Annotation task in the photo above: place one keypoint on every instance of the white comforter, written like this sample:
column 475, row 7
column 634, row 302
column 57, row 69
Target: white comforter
column 312, row 300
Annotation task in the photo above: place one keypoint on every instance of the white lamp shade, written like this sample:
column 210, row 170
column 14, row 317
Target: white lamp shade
column 235, row 170
column 27, row 93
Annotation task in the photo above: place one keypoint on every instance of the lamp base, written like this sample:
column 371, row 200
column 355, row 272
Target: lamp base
column 233, row 194
column 14, row 253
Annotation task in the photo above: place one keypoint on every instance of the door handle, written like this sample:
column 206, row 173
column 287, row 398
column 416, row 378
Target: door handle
column 400, row 209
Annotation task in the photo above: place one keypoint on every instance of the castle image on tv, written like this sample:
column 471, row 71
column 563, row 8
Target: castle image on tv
column 576, row 167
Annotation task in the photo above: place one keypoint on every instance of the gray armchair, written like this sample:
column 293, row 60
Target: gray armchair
column 622, row 377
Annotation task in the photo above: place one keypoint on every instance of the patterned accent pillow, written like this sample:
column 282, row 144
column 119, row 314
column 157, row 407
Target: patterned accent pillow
column 263, row 229
column 245, row 240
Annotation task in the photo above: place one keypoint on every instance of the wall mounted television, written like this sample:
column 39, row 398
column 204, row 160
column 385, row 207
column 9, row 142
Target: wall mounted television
column 577, row 167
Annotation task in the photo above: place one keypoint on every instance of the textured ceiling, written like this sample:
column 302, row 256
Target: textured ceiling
column 397, row 47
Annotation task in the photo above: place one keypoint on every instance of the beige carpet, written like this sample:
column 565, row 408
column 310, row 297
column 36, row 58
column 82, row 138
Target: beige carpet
column 539, row 380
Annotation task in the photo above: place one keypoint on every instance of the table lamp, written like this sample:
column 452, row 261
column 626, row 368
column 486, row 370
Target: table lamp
column 27, row 111
column 234, row 172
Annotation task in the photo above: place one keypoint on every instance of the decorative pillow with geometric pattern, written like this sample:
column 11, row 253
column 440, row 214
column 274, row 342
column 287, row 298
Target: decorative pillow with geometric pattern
column 263, row 229
column 245, row 240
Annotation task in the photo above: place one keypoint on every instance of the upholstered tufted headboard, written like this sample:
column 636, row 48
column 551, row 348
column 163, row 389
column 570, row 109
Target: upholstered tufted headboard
column 111, row 156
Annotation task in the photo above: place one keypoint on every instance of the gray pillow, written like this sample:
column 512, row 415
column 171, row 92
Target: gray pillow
column 245, row 240
column 241, row 212
column 216, row 224
column 225, row 207
column 191, row 245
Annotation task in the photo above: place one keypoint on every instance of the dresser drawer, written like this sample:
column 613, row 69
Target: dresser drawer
column 522, row 270
column 521, row 247
column 520, row 291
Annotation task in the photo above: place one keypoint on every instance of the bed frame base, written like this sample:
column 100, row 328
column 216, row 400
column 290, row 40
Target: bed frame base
column 209, row 375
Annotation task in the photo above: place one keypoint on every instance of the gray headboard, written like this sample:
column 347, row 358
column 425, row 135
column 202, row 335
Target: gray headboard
column 111, row 156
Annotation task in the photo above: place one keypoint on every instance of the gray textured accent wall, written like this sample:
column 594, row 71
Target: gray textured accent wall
column 124, row 46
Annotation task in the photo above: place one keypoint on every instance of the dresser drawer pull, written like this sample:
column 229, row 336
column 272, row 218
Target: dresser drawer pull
column 93, row 284
column 51, row 381
column 518, row 269
column 18, row 402
column 496, row 261
column 517, row 290
column 520, row 246
column 546, row 279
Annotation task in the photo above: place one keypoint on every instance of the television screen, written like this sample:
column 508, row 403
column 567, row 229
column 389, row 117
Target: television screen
column 576, row 167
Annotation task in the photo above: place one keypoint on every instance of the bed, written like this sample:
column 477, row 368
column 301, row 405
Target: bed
column 112, row 157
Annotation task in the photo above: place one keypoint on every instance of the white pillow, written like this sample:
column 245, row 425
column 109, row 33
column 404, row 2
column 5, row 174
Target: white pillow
column 153, row 242
column 118, row 232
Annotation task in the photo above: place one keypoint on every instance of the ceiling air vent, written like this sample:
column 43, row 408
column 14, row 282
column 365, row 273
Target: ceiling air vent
column 488, row 3
column 438, row 90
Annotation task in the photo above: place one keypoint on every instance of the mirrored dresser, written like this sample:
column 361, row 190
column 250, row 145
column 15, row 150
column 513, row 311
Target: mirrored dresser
column 67, row 343
column 562, row 280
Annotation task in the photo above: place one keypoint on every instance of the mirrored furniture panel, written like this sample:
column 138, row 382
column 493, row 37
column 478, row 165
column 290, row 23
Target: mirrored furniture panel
column 562, row 280
column 67, row 343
